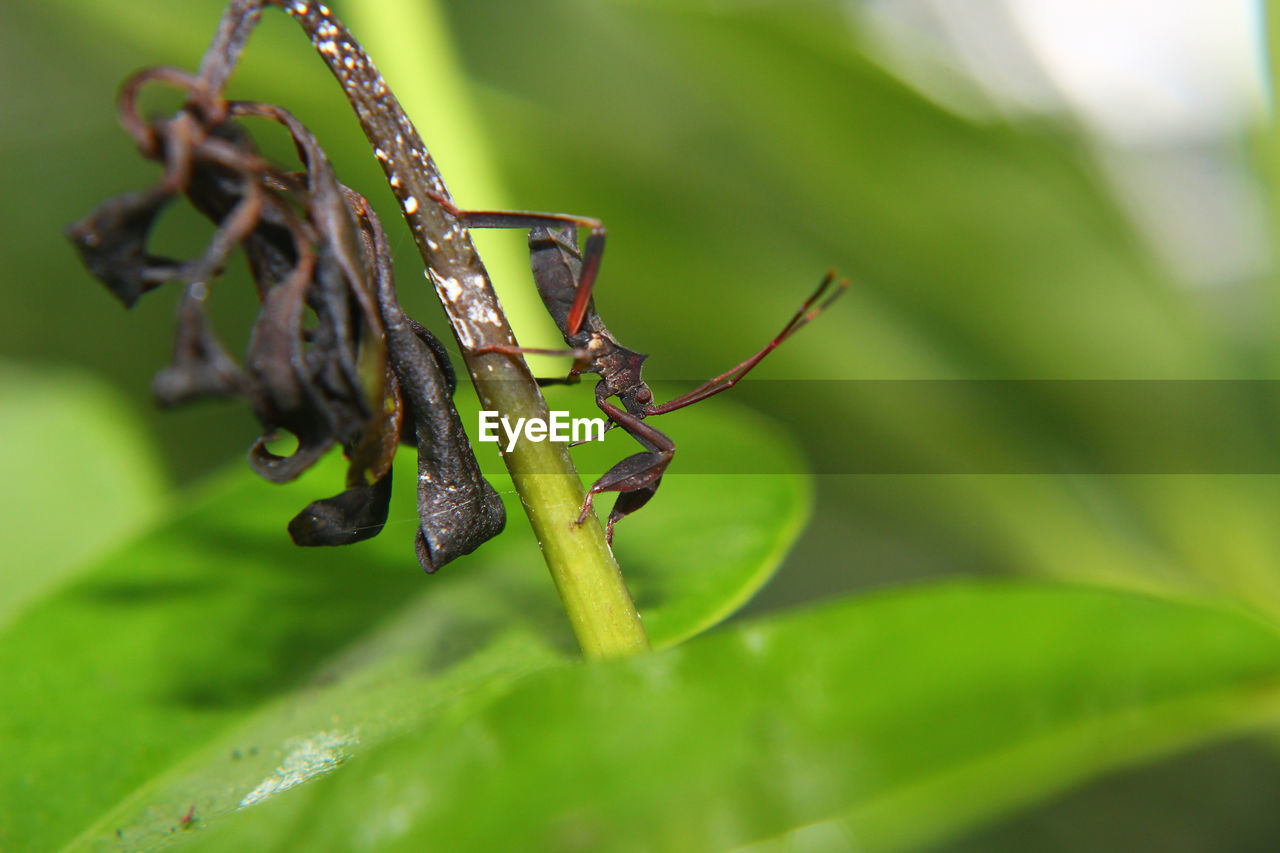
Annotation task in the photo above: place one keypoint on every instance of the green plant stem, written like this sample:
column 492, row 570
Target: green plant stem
column 585, row 573
column 587, row 577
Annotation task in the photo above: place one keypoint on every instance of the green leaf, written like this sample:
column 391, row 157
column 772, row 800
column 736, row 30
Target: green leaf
column 79, row 475
column 906, row 714
column 189, row 666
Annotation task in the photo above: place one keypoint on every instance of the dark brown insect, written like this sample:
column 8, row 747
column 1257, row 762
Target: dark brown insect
column 564, row 278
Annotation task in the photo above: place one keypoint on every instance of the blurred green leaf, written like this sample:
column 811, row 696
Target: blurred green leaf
column 735, row 150
column 187, row 666
column 894, row 711
column 80, row 478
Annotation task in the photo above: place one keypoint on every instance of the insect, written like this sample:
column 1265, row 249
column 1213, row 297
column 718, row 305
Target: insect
column 564, row 275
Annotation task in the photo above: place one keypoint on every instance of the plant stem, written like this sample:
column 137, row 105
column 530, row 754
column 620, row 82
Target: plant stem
column 600, row 609
column 586, row 576
column 585, row 573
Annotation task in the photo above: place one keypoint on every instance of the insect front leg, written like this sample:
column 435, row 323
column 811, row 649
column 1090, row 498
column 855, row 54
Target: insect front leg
column 568, row 302
column 569, row 313
column 581, row 361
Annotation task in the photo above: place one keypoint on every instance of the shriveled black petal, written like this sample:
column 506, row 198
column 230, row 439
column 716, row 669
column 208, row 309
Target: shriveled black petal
column 332, row 353
column 341, row 296
column 112, row 241
column 352, row 516
column 409, row 433
column 280, row 389
column 201, row 367
column 215, row 191
column 457, row 523
column 283, row 469
column 438, row 350
column 372, row 456
column 457, row 508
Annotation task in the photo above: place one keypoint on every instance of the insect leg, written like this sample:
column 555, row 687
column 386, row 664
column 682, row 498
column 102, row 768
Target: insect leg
column 635, row 478
column 592, row 252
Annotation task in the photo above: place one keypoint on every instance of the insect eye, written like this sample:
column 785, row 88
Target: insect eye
column 644, row 395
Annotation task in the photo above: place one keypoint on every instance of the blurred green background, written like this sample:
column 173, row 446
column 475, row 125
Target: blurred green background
column 736, row 151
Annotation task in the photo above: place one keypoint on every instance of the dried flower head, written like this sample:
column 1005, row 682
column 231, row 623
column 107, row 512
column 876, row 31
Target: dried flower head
column 364, row 375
